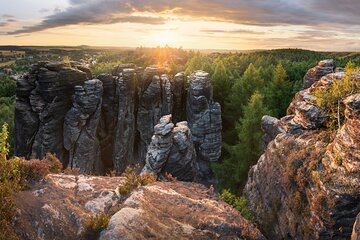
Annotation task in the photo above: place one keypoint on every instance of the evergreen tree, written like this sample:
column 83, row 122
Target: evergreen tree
column 242, row 91
column 221, row 83
column 278, row 92
column 232, row 172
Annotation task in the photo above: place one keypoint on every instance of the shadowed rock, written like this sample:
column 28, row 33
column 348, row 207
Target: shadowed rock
column 125, row 129
column 204, row 119
column 80, row 128
column 43, row 97
column 171, row 151
column 155, row 100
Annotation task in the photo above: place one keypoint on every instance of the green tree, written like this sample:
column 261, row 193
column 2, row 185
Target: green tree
column 232, row 172
column 330, row 99
column 221, row 82
column 278, row 92
column 194, row 64
column 242, row 90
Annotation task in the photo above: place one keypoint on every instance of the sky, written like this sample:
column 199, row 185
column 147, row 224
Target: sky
column 329, row 25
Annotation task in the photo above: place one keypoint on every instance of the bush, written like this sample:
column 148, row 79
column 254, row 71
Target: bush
column 239, row 203
column 14, row 176
column 95, row 225
column 133, row 180
column 330, row 99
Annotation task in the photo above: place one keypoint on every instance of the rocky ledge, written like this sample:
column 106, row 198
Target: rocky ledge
column 59, row 206
column 306, row 184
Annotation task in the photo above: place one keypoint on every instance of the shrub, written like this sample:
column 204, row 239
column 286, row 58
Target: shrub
column 53, row 162
column 330, row 99
column 95, row 225
column 133, row 180
column 239, row 203
column 33, row 170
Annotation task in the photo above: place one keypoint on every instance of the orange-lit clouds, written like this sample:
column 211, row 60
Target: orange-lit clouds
column 226, row 24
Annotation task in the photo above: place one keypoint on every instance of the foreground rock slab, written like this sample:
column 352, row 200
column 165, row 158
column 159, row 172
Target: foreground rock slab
column 177, row 210
column 59, row 206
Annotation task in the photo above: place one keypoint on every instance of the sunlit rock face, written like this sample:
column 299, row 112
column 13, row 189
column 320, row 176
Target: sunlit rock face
column 306, row 184
column 161, row 211
column 60, row 207
column 110, row 122
column 314, row 74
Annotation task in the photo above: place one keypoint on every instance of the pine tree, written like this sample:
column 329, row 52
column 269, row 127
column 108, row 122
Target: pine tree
column 242, row 90
column 221, row 82
column 278, row 92
column 232, row 172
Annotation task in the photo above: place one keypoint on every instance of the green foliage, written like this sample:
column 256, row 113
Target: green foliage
column 14, row 176
column 7, row 87
column 95, row 225
column 278, row 93
column 133, row 180
column 221, row 82
column 239, row 203
column 103, row 67
column 242, row 90
column 232, row 172
column 4, row 145
column 330, row 99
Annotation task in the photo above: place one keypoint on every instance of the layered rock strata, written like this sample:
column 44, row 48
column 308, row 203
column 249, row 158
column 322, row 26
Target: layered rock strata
column 117, row 121
column 204, row 119
column 80, row 128
column 43, row 97
column 171, row 151
column 306, row 185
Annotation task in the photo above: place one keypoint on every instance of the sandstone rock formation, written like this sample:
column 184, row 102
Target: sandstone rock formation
column 204, row 119
column 314, row 74
column 171, row 151
column 43, row 97
column 80, row 128
column 306, row 184
column 177, row 210
column 60, row 206
column 115, row 121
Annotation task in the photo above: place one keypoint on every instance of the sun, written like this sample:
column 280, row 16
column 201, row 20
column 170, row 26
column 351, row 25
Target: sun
column 163, row 38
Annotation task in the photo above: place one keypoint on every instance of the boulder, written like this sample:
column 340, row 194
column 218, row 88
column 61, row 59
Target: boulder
column 271, row 128
column 323, row 68
column 60, row 206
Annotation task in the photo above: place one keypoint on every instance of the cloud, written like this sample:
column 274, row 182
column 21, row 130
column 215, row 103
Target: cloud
column 321, row 13
column 234, row 31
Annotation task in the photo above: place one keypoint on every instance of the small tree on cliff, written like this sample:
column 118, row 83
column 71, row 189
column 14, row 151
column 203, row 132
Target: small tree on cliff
column 331, row 99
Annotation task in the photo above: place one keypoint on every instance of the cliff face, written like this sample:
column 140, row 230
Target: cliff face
column 60, row 206
column 108, row 123
column 306, row 184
